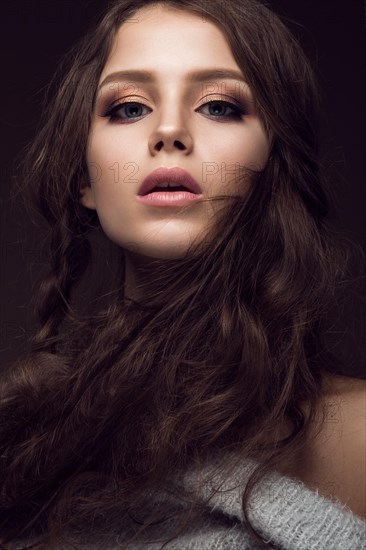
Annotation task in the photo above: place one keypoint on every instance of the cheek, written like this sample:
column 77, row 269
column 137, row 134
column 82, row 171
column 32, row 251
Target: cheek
column 247, row 145
column 112, row 158
column 240, row 148
column 252, row 148
column 101, row 153
column 100, row 160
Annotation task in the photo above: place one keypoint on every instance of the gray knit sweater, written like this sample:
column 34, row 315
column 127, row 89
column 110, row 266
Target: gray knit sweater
column 289, row 516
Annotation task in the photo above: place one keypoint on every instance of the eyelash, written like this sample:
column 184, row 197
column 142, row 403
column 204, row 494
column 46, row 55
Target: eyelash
column 237, row 114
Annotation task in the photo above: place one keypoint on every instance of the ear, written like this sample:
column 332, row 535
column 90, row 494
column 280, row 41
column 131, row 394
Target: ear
column 87, row 196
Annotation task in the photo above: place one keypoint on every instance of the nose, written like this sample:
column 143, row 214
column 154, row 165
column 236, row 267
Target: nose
column 171, row 134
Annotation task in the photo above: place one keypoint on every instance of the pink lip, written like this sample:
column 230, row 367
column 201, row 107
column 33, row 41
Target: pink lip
column 174, row 175
column 168, row 198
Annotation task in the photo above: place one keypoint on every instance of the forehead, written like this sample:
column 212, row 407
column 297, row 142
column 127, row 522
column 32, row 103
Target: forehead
column 172, row 40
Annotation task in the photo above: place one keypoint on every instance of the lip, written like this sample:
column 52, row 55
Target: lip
column 169, row 198
column 174, row 175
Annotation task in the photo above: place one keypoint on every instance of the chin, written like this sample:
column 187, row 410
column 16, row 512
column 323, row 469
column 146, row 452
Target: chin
column 164, row 251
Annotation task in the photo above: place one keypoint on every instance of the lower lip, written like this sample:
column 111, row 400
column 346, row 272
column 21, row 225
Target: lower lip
column 169, row 198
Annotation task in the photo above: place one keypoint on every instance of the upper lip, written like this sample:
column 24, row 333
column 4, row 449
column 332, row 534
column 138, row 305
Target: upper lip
column 165, row 175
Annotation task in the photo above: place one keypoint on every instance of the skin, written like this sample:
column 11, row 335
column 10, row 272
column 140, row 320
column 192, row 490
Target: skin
column 172, row 128
column 333, row 461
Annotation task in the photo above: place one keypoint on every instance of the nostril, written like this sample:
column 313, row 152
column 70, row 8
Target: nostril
column 179, row 144
column 159, row 145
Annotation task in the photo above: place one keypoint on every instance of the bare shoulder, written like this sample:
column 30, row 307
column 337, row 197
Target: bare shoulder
column 345, row 403
column 336, row 456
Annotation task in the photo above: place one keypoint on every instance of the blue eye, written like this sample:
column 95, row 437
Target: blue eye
column 130, row 108
column 237, row 111
column 132, row 111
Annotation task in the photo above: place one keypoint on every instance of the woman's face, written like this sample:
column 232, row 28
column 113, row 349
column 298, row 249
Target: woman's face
column 169, row 124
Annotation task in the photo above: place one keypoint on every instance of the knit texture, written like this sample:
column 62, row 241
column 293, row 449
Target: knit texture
column 288, row 515
column 291, row 516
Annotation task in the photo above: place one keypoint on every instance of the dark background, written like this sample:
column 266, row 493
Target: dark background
column 36, row 34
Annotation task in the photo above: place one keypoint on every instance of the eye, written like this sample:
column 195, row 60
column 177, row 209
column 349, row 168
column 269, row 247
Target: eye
column 132, row 110
column 220, row 108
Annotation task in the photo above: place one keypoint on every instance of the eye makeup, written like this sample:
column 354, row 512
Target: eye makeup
column 234, row 91
column 111, row 107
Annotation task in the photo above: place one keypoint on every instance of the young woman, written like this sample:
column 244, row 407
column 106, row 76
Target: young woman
column 197, row 408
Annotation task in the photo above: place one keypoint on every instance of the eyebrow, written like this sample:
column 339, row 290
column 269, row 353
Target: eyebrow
column 147, row 77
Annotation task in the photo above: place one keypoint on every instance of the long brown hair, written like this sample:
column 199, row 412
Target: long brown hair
column 108, row 405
